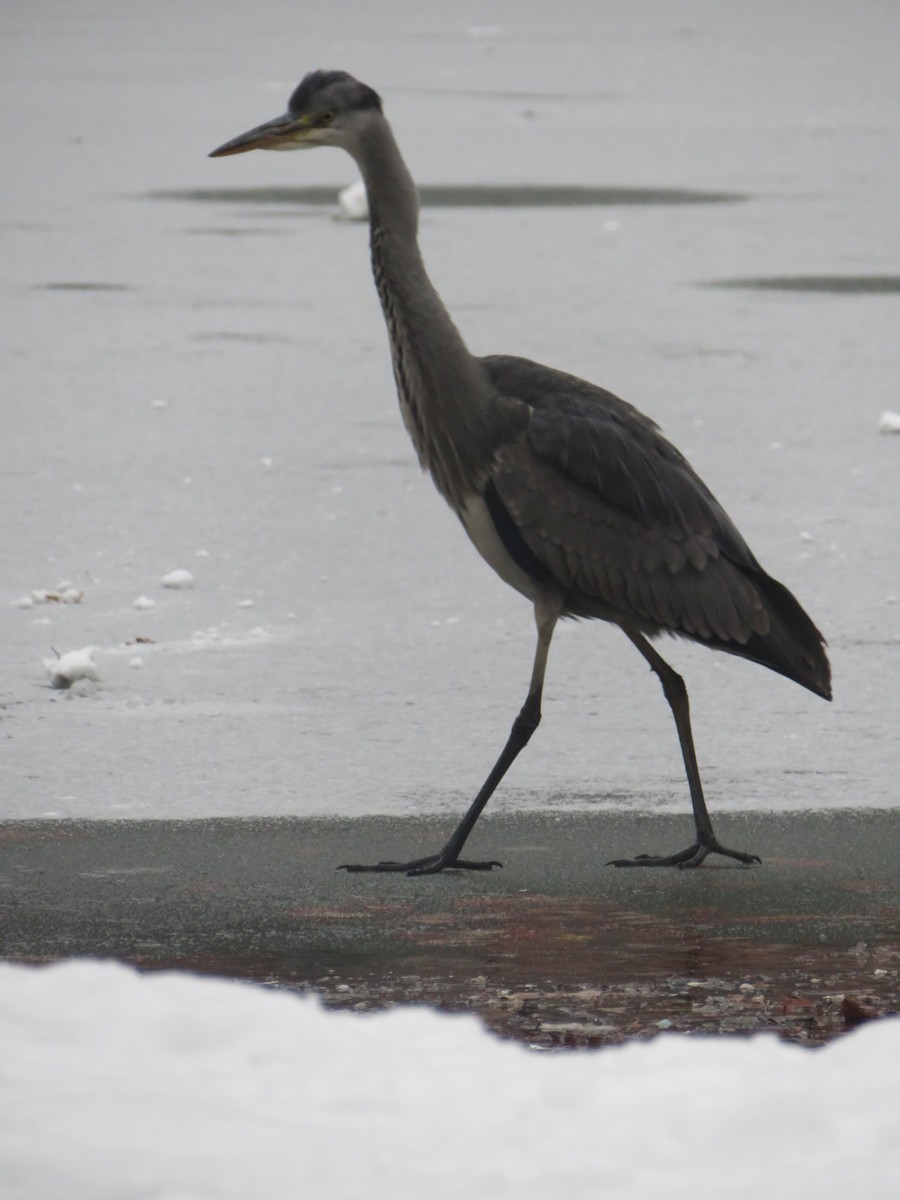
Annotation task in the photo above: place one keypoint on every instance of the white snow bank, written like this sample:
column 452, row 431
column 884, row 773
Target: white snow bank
column 115, row 1085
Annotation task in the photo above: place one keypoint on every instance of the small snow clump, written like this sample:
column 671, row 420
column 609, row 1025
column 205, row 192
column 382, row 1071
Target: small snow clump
column 66, row 669
column 65, row 593
column 354, row 202
column 178, row 579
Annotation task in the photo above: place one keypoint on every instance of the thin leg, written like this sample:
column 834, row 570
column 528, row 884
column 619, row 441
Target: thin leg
column 706, row 843
column 546, row 615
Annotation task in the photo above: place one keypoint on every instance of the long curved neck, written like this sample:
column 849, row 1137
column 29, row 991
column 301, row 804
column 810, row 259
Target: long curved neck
column 444, row 391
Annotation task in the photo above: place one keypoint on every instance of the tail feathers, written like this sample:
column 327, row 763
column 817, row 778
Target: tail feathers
column 792, row 646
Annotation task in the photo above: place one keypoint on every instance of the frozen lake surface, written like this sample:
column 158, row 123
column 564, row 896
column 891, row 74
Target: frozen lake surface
column 197, row 379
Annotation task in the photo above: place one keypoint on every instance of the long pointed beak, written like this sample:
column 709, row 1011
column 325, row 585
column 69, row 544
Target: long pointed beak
column 271, row 136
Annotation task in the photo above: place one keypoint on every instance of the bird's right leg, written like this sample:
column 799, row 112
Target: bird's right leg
column 546, row 615
column 706, row 841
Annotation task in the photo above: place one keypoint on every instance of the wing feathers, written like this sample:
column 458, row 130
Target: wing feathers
column 617, row 516
column 623, row 562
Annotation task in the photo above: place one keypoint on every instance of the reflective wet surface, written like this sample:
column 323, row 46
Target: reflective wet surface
column 554, row 950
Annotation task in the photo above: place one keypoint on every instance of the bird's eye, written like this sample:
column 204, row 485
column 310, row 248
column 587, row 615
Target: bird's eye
column 325, row 118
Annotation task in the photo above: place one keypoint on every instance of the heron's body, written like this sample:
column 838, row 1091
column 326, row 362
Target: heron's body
column 570, row 494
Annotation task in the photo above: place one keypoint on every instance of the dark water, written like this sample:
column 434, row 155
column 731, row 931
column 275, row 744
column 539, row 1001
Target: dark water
column 554, row 950
column 836, row 285
column 469, row 196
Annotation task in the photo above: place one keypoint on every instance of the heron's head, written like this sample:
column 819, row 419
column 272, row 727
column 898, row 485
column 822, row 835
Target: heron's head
column 328, row 108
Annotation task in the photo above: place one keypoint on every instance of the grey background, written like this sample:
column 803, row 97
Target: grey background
column 381, row 663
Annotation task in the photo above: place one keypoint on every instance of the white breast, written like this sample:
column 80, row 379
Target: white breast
column 480, row 528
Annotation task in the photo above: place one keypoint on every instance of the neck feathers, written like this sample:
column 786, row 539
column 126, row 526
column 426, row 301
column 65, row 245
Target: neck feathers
column 444, row 391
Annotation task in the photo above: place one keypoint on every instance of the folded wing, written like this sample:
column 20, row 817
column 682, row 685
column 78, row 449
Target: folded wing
column 590, row 492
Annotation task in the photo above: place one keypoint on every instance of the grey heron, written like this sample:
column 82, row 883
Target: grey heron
column 573, row 496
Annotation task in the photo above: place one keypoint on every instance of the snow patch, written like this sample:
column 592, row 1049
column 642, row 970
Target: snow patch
column 169, row 1084
column 217, row 638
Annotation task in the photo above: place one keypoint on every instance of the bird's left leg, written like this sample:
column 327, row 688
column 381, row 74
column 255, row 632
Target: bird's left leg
column 706, row 843
column 546, row 613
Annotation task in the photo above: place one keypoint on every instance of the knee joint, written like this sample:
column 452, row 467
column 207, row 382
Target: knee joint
column 672, row 685
column 530, row 717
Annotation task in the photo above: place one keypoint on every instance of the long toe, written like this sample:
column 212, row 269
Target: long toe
column 432, row 865
column 739, row 855
column 438, row 863
column 685, row 860
column 404, row 868
column 682, row 858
